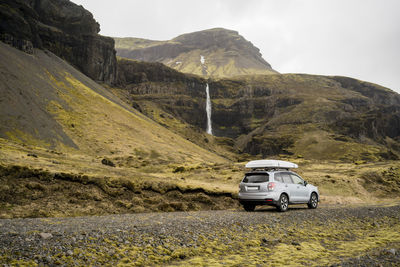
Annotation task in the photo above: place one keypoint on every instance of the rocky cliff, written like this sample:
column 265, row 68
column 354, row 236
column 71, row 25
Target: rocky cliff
column 64, row 28
column 210, row 53
column 181, row 94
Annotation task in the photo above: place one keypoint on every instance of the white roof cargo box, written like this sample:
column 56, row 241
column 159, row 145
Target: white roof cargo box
column 265, row 163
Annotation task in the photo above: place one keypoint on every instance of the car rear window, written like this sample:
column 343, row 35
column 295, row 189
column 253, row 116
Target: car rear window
column 256, row 178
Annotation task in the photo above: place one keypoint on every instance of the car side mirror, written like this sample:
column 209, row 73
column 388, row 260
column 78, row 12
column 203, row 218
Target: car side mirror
column 305, row 183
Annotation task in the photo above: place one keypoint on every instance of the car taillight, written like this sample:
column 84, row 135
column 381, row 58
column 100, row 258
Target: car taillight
column 271, row 186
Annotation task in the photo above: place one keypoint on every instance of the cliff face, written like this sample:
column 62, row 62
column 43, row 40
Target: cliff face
column 225, row 53
column 64, row 28
column 181, row 95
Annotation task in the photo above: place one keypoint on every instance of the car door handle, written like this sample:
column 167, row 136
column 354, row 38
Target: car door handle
column 285, row 185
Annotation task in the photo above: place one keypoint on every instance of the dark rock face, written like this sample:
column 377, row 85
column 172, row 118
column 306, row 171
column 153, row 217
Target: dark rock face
column 183, row 96
column 64, row 28
column 135, row 72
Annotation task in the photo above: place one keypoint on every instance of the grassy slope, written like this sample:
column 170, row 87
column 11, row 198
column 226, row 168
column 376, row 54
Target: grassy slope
column 97, row 122
column 219, row 63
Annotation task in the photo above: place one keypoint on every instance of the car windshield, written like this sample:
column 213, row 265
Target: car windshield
column 256, row 178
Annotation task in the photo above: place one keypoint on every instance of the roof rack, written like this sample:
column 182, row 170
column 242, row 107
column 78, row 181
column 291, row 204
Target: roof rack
column 270, row 164
column 269, row 169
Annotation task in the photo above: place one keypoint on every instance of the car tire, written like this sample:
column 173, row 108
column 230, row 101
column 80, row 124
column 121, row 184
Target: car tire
column 313, row 203
column 283, row 203
column 249, row 207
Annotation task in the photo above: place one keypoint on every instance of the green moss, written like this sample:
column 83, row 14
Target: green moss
column 22, row 137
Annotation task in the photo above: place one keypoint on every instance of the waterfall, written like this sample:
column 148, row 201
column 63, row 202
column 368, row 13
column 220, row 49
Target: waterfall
column 208, row 110
column 208, row 102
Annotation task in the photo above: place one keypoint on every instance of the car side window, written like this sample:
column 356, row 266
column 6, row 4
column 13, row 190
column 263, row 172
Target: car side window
column 286, row 178
column 278, row 177
column 296, row 179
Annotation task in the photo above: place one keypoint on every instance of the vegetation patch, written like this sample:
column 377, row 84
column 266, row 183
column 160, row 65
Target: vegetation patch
column 385, row 182
column 38, row 193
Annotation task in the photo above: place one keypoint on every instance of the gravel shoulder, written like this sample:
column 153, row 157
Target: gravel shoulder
column 326, row 236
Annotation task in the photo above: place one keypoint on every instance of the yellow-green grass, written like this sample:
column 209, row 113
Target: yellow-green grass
column 219, row 64
column 311, row 243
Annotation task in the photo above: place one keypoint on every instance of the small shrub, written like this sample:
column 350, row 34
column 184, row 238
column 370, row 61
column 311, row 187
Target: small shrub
column 107, row 162
column 179, row 169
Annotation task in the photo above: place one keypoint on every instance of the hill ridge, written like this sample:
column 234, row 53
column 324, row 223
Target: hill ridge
column 226, row 52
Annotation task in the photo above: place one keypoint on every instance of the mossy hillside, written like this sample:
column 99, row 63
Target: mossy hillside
column 219, row 64
column 126, row 43
column 383, row 182
column 261, row 107
column 23, row 111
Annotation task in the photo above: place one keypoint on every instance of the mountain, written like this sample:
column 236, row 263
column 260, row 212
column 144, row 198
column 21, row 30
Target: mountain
column 210, row 53
column 302, row 115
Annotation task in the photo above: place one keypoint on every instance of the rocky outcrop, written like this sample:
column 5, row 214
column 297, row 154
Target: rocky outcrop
column 176, row 93
column 64, row 28
column 225, row 53
column 136, row 72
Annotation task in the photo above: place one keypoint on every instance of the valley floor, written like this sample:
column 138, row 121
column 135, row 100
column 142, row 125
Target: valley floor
column 327, row 236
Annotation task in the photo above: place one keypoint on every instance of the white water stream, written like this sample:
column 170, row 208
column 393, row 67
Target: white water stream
column 208, row 101
column 208, row 110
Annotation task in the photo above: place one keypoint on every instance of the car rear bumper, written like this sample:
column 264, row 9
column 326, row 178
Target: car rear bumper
column 269, row 202
column 270, row 198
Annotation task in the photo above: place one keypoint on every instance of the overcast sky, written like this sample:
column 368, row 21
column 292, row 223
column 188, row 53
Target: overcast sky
column 355, row 38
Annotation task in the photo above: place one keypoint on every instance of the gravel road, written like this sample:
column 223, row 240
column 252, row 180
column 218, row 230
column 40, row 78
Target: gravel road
column 180, row 238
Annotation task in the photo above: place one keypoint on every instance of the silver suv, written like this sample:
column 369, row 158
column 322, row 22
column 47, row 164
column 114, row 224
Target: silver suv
column 276, row 187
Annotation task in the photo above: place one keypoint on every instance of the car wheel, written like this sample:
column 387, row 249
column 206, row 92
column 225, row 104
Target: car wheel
column 283, row 203
column 249, row 207
column 313, row 203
